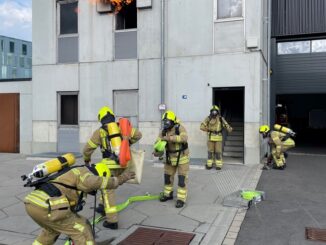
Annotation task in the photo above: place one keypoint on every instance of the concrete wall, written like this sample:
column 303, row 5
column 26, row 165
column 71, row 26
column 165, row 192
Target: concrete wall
column 24, row 89
column 201, row 53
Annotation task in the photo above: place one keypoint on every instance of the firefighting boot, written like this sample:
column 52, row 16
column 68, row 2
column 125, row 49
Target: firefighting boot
column 164, row 198
column 179, row 204
column 109, row 225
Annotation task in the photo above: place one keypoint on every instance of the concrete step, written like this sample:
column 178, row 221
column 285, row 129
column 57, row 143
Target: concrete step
column 233, row 148
column 236, row 124
column 233, row 154
column 236, row 133
column 232, row 138
column 234, row 143
column 237, row 128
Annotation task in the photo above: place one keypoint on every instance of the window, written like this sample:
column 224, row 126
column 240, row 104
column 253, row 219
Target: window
column 24, row 49
column 69, row 109
column 299, row 47
column 127, row 17
column 229, row 9
column 318, row 46
column 4, row 72
column 1, row 45
column 12, row 47
column 22, row 61
column 68, row 18
column 14, row 73
column 68, row 31
column 10, row 60
column 29, row 63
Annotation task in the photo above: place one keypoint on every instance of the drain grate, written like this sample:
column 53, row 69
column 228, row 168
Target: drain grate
column 316, row 234
column 147, row 236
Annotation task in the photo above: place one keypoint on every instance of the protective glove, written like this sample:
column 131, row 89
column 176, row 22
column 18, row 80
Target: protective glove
column 166, row 138
column 125, row 177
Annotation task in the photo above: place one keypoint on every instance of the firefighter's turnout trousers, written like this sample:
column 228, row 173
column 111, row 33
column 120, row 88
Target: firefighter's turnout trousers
column 169, row 173
column 73, row 225
column 279, row 144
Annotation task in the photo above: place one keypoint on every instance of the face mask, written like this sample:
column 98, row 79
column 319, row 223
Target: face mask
column 108, row 119
column 214, row 113
column 167, row 124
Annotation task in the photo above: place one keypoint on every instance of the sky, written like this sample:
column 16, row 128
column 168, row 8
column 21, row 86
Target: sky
column 16, row 19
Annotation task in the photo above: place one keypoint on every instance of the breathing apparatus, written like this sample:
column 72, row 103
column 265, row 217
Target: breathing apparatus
column 49, row 167
column 284, row 130
column 214, row 112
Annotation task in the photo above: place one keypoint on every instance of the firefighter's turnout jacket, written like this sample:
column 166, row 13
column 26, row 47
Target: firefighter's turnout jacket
column 52, row 205
column 101, row 138
column 176, row 159
column 214, row 127
column 280, row 143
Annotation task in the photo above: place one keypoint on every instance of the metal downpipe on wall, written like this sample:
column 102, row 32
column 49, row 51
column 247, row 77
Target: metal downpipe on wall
column 269, row 35
column 162, row 53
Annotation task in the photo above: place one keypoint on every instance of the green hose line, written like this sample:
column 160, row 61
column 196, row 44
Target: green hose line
column 122, row 206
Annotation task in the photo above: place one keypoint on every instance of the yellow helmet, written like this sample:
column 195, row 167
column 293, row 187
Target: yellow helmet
column 104, row 111
column 215, row 108
column 170, row 116
column 102, row 170
column 264, row 129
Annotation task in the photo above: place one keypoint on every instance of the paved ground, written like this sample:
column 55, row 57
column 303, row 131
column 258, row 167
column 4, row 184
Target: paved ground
column 295, row 199
column 204, row 213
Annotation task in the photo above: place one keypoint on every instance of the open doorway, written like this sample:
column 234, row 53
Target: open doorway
column 306, row 115
column 230, row 100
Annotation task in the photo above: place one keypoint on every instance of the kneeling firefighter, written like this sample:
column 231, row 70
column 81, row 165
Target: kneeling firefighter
column 279, row 141
column 173, row 140
column 59, row 196
column 108, row 138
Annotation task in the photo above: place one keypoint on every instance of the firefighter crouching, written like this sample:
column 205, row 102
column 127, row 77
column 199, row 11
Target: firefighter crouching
column 106, row 141
column 279, row 141
column 213, row 125
column 173, row 140
column 53, row 204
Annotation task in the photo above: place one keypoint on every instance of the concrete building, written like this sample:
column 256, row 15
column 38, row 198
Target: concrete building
column 15, row 58
column 15, row 95
column 85, row 56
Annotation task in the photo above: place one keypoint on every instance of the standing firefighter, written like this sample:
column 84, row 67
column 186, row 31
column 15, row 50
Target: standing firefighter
column 105, row 139
column 173, row 140
column 56, row 200
column 214, row 125
column 279, row 141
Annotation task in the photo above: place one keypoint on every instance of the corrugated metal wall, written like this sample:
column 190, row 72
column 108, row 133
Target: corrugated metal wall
column 297, row 17
column 298, row 73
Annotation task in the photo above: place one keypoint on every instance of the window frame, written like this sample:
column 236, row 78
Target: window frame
column 129, row 29
column 219, row 20
column 58, row 14
column 24, row 45
column 11, row 42
column 59, row 95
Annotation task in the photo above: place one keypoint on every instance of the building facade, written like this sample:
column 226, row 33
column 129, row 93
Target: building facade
column 15, row 95
column 85, row 57
column 15, row 58
column 298, row 54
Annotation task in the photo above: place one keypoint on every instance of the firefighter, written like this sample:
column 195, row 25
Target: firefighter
column 175, row 137
column 279, row 141
column 53, row 205
column 101, row 138
column 214, row 125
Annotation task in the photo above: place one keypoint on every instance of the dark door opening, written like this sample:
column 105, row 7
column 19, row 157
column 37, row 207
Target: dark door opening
column 9, row 123
column 231, row 103
column 307, row 117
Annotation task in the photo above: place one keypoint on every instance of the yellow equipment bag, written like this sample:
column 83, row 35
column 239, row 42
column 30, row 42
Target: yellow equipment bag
column 136, row 165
